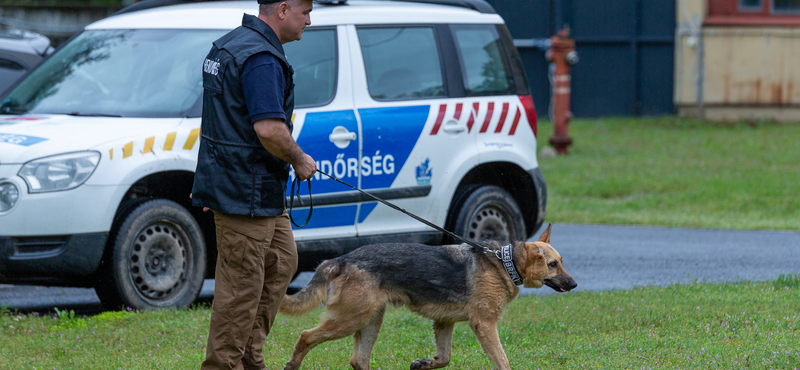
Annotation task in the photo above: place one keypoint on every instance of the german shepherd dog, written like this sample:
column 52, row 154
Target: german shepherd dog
column 446, row 284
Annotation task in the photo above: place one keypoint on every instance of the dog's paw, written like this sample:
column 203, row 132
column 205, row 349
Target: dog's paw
column 419, row 364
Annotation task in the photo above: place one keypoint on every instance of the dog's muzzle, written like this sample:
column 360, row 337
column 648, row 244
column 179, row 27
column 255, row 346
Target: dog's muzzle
column 561, row 285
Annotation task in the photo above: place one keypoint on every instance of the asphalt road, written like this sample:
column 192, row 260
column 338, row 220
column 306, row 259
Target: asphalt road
column 598, row 257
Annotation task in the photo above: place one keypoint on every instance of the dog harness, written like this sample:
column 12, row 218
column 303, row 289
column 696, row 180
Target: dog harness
column 507, row 256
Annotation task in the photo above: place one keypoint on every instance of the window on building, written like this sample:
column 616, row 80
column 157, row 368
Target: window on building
column 753, row 13
column 786, row 6
column 750, row 5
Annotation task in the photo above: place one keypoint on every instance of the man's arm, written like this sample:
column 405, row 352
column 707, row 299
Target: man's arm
column 276, row 139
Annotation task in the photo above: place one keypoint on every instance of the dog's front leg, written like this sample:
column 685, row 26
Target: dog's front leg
column 443, row 332
column 486, row 331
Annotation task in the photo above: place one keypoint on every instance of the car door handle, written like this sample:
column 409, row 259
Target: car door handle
column 341, row 137
column 452, row 127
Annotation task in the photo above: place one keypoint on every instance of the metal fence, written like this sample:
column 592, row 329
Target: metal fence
column 626, row 50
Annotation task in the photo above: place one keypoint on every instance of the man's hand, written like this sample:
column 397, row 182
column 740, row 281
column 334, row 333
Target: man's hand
column 276, row 139
column 306, row 168
column 205, row 209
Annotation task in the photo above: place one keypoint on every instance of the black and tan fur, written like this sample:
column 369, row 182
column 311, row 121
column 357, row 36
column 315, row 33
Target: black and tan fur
column 446, row 284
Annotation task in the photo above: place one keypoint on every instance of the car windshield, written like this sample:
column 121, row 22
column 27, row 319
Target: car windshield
column 126, row 73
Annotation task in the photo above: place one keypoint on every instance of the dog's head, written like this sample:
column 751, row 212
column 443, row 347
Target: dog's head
column 544, row 266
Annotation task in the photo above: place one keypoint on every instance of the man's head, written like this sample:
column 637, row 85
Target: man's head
column 288, row 18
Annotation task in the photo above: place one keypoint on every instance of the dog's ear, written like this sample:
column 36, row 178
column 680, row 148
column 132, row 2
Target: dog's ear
column 534, row 270
column 546, row 234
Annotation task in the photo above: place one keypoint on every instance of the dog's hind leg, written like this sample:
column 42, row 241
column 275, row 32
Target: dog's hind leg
column 443, row 331
column 486, row 331
column 365, row 340
column 341, row 322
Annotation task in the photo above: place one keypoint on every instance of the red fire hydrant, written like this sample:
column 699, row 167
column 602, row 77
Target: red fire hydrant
column 562, row 54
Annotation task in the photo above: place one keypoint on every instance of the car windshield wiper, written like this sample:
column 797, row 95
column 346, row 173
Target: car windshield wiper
column 79, row 114
column 11, row 109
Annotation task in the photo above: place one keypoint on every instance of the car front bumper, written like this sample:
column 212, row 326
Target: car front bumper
column 50, row 260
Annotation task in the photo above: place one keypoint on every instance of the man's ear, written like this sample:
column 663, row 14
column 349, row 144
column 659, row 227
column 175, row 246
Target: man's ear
column 546, row 234
column 283, row 8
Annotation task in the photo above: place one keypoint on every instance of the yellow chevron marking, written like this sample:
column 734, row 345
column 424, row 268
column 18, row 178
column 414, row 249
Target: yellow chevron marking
column 110, row 154
column 191, row 139
column 293, row 114
column 148, row 144
column 170, row 140
column 127, row 150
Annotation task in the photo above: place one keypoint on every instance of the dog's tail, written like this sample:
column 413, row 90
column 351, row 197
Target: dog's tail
column 313, row 294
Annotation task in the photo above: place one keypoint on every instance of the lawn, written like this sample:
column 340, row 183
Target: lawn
column 646, row 171
column 675, row 172
column 696, row 326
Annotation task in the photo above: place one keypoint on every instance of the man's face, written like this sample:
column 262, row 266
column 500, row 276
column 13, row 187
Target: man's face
column 298, row 16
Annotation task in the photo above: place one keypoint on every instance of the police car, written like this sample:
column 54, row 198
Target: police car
column 425, row 105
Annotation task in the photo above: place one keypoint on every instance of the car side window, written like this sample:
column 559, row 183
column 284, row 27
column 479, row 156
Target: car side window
column 10, row 71
column 401, row 62
column 481, row 52
column 314, row 64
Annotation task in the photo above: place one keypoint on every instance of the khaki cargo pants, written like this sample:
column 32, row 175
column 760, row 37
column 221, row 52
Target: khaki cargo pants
column 256, row 260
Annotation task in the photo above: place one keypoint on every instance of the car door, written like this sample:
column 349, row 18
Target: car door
column 415, row 139
column 326, row 128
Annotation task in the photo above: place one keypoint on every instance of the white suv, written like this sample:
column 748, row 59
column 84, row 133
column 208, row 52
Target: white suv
column 425, row 105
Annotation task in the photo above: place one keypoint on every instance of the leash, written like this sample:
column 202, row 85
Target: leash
column 504, row 254
column 292, row 195
column 420, row 219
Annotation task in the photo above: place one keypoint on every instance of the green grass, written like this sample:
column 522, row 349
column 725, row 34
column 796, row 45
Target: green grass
column 675, row 172
column 695, row 326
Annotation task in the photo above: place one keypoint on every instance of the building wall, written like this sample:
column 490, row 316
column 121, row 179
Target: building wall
column 735, row 71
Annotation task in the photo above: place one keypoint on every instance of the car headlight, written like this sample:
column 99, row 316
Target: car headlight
column 59, row 172
column 9, row 195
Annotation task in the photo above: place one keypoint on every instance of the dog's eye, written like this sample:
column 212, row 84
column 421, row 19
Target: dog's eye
column 553, row 264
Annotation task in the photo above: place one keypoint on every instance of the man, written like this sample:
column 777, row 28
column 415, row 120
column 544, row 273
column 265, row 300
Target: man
column 242, row 170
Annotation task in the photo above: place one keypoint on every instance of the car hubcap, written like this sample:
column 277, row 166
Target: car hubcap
column 158, row 261
column 489, row 223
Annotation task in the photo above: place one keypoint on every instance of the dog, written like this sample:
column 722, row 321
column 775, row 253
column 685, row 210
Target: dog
column 446, row 284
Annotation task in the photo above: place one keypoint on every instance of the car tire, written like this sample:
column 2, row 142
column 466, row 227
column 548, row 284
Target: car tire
column 156, row 258
column 487, row 212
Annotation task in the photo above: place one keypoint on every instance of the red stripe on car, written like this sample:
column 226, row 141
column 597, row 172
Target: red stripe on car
column 502, row 120
column 514, row 125
column 439, row 119
column 488, row 118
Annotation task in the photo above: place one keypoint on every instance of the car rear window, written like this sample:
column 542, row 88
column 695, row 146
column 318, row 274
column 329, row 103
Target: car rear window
column 401, row 62
column 314, row 64
column 481, row 53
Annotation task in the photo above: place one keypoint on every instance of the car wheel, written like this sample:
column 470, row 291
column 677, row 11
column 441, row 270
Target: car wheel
column 157, row 258
column 487, row 213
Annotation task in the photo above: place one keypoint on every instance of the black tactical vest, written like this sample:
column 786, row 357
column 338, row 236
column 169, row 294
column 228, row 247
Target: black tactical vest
column 235, row 174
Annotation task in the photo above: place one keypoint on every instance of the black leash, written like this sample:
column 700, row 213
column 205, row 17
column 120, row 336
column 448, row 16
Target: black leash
column 420, row 219
column 292, row 195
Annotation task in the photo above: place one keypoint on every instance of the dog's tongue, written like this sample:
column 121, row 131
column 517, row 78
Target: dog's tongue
column 562, row 289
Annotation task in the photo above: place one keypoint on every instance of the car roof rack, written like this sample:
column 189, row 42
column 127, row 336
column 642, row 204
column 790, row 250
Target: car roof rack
column 479, row 5
column 149, row 4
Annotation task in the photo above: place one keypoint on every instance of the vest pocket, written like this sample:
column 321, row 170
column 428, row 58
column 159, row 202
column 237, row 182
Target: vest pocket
column 272, row 194
column 233, row 191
